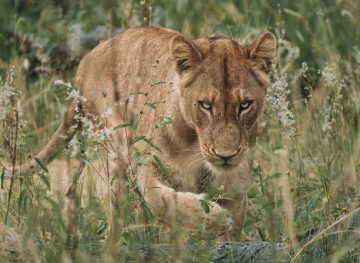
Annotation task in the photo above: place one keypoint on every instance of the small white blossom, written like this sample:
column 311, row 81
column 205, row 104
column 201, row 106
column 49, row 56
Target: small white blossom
column 278, row 99
column 104, row 134
column 73, row 147
column 332, row 109
column 329, row 75
column 304, row 68
column 108, row 113
column 72, row 94
column 60, row 82
column 291, row 51
column 6, row 92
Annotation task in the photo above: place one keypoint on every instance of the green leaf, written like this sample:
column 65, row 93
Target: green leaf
column 158, row 82
column 160, row 164
column 57, row 209
column 101, row 228
column 147, row 212
column 45, row 180
column 153, row 104
column 166, row 121
column 273, row 176
column 139, row 188
column 138, row 93
column 2, row 178
column 53, row 203
column 127, row 237
column 305, row 188
column 205, row 205
column 137, row 138
column 22, row 199
column 292, row 12
column 202, row 228
column 142, row 160
column 42, row 165
column 152, row 144
column 121, row 126
column 136, row 121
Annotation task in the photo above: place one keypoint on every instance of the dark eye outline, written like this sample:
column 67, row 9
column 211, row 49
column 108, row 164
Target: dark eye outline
column 205, row 105
column 248, row 104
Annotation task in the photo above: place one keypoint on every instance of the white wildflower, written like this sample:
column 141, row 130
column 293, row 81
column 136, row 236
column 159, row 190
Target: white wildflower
column 290, row 51
column 278, row 99
column 304, row 68
column 26, row 64
column 60, row 82
column 73, row 93
column 332, row 109
column 6, row 92
column 73, row 147
column 104, row 134
column 329, row 75
column 337, row 104
column 108, row 113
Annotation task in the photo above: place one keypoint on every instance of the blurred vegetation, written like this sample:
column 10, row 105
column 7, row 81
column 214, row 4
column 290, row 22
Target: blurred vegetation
column 317, row 77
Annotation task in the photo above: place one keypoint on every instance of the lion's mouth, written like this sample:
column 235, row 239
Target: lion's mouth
column 219, row 164
column 221, row 168
column 223, row 164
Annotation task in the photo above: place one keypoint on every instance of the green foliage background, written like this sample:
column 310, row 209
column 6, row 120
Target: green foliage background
column 45, row 40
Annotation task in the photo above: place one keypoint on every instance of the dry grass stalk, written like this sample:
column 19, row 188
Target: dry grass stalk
column 283, row 168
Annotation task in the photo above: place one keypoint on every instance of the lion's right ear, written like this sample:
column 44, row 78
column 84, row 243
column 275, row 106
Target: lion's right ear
column 264, row 50
column 185, row 52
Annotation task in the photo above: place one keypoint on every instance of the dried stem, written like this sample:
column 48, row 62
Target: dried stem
column 146, row 10
column 13, row 163
column 72, row 207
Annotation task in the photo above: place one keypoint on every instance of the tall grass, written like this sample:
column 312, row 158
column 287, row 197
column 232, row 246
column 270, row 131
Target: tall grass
column 306, row 168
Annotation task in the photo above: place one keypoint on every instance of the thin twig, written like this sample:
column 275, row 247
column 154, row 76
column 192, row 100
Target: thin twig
column 13, row 162
column 146, row 10
column 323, row 232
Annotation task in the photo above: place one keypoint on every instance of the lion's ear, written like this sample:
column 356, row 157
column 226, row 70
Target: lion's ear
column 185, row 52
column 263, row 49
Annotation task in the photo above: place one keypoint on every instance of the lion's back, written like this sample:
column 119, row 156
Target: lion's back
column 119, row 63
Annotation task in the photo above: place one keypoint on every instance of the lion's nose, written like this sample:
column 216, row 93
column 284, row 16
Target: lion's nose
column 226, row 155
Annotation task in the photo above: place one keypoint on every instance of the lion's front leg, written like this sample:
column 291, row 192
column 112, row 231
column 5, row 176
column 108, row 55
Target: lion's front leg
column 160, row 198
column 235, row 200
column 238, row 209
column 215, row 220
column 184, row 208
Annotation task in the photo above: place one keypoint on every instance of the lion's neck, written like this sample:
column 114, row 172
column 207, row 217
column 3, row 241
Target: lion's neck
column 181, row 133
column 181, row 151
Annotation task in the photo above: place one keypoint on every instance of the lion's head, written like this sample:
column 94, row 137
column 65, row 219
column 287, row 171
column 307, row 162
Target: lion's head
column 222, row 87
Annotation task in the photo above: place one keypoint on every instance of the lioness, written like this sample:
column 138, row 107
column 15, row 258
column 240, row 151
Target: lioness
column 212, row 88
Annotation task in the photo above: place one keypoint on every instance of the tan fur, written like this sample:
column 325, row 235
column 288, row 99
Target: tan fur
column 216, row 71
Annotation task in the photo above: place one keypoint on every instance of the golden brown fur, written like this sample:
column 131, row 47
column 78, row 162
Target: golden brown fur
column 214, row 90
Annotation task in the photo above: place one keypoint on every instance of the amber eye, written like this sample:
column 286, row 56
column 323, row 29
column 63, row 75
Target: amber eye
column 245, row 104
column 205, row 105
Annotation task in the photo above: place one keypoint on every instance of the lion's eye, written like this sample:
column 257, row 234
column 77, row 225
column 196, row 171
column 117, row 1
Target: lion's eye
column 205, row 105
column 245, row 104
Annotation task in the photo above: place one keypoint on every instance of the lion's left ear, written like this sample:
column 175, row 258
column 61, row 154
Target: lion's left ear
column 264, row 49
column 185, row 52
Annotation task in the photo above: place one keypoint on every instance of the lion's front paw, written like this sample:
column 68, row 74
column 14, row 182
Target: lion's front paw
column 218, row 221
column 206, row 217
